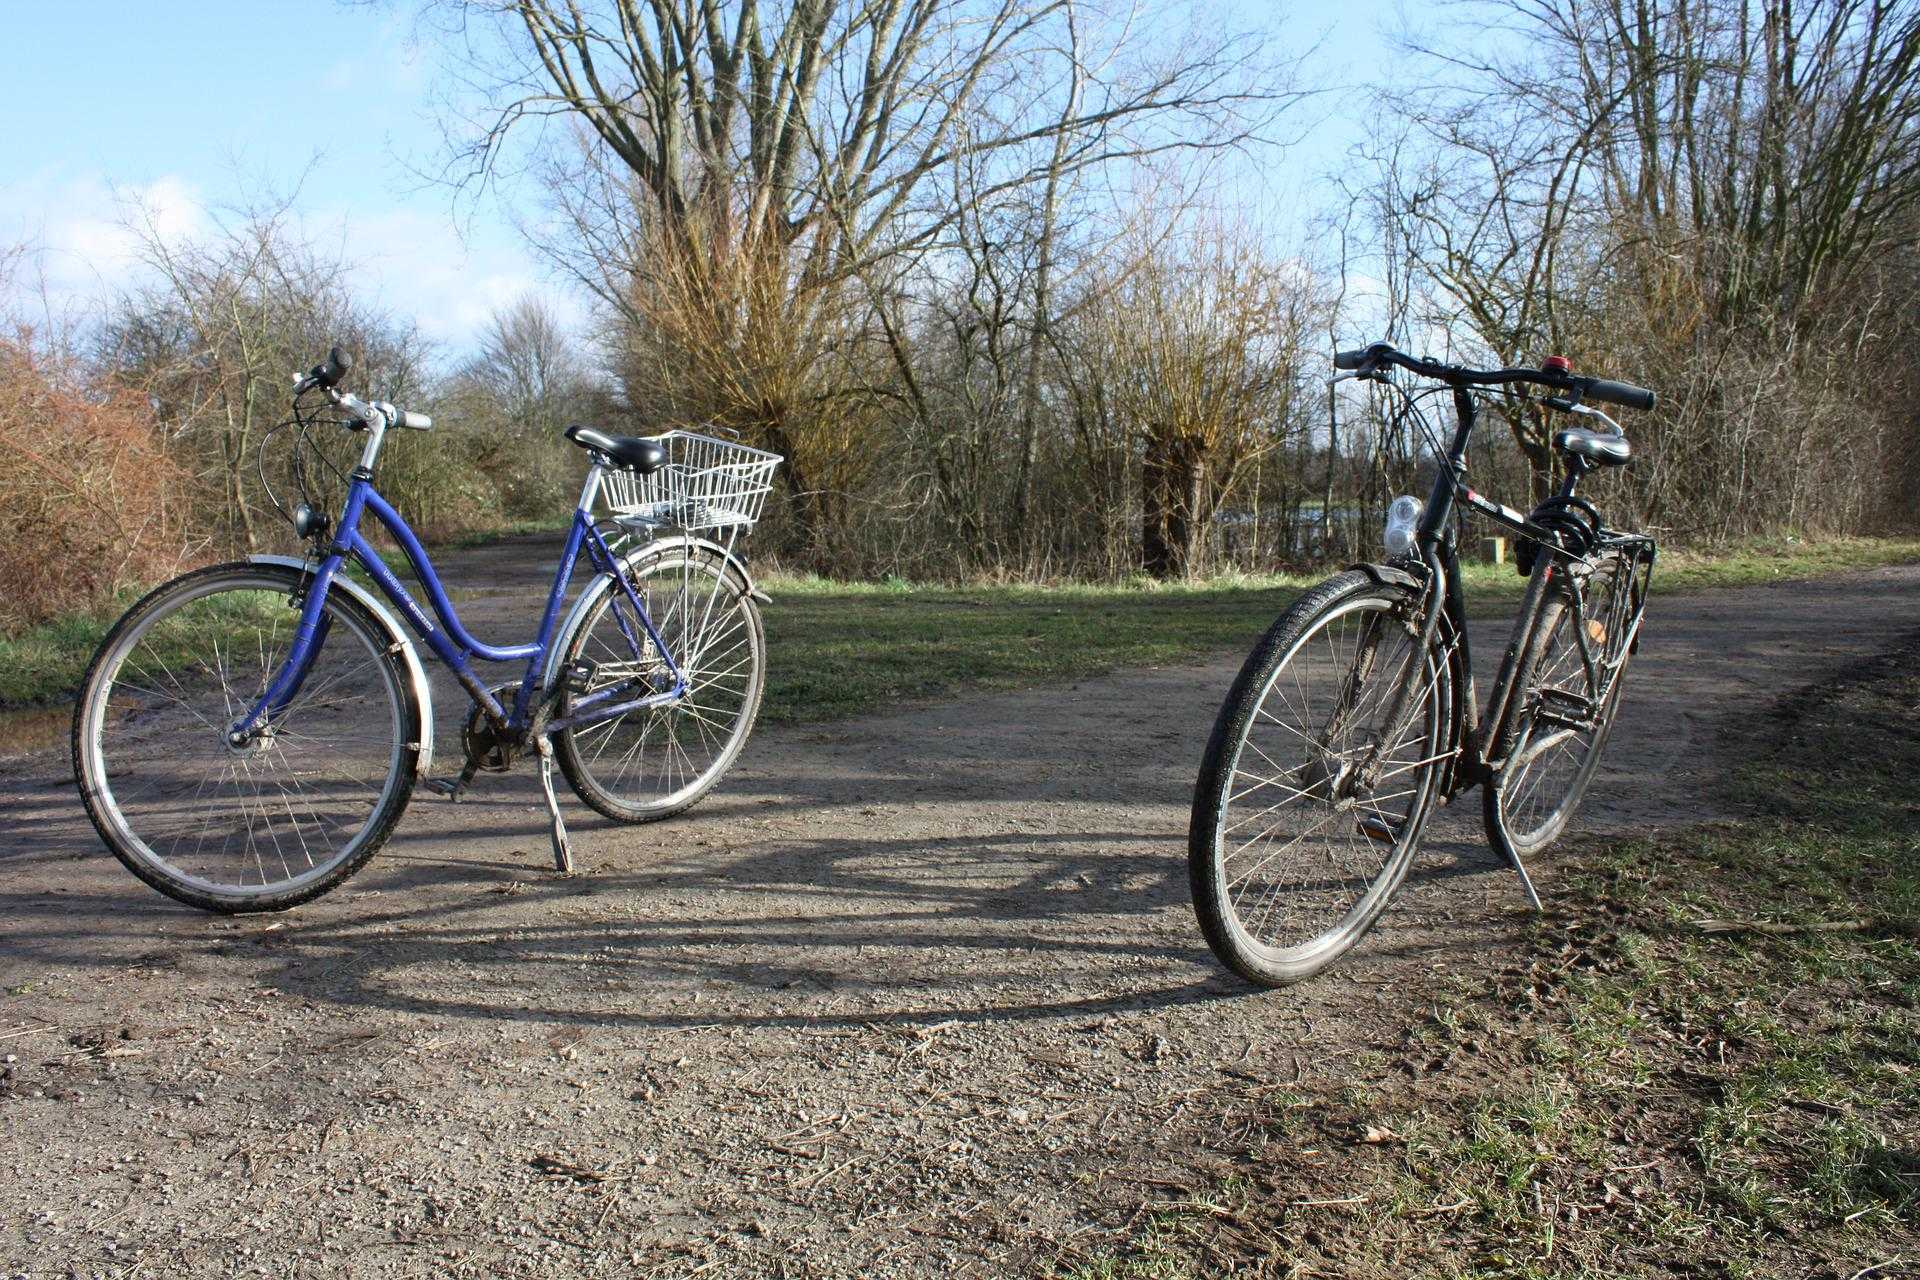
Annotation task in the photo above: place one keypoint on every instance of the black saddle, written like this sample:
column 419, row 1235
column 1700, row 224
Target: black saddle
column 629, row 453
column 1602, row 448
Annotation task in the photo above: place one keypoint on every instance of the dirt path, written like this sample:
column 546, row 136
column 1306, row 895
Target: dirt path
column 918, row 994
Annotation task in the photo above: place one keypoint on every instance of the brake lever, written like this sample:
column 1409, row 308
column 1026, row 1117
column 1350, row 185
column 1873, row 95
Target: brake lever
column 1565, row 405
column 1589, row 411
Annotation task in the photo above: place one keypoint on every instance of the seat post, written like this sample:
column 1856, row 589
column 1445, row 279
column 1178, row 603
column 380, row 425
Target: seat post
column 1577, row 468
column 590, row 490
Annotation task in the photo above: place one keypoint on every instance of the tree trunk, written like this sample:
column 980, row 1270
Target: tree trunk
column 1173, row 479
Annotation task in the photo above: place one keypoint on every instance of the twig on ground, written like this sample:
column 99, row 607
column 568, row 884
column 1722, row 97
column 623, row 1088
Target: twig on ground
column 1782, row 930
column 1878, row 1266
column 807, row 1184
column 1438, row 1209
column 556, row 1167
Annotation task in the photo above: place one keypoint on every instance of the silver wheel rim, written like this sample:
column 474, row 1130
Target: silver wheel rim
column 285, row 793
column 1405, row 786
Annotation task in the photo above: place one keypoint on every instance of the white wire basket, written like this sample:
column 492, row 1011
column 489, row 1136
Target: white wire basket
column 704, row 484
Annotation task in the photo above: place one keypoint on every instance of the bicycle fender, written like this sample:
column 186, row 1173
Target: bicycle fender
column 397, row 639
column 734, row 562
column 1389, row 575
column 602, row 584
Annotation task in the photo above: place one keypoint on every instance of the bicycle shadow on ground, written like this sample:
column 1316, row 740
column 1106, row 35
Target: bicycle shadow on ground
column 873, row 931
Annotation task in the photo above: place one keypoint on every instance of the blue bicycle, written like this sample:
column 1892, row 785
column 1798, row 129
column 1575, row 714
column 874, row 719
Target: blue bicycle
column 248, row 734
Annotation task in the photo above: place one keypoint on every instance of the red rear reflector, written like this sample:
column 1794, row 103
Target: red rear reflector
column 1557, row 364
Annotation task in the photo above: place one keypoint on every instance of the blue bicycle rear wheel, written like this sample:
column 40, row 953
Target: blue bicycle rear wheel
column 658, row 761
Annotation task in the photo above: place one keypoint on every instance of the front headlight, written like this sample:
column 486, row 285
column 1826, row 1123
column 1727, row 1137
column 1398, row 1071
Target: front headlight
column 1403, row 523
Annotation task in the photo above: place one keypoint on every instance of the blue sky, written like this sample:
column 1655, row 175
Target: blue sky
column 187, row 105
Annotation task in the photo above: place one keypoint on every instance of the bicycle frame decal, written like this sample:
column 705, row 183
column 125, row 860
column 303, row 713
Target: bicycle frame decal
column 450, row 640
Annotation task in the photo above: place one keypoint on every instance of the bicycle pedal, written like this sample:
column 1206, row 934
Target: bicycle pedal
column 1566, row 702
column 442, row 787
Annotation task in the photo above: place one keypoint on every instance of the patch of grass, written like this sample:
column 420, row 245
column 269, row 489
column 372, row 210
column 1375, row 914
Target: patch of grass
column 44, row 664
column 1763, row 560
column 1707, row 1062
column 840, row 649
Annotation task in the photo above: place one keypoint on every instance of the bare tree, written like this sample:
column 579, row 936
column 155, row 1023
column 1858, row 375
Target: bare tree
column 1207, row 342
column 1699, row 193
column 513, row 400
column 813, row 147
column 222, row 321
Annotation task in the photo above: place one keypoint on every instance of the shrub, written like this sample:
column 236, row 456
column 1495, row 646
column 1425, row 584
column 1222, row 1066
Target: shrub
column 90, row 503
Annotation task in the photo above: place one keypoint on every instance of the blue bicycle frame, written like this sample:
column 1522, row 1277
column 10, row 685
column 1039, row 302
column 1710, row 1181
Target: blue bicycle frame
column 450, row 639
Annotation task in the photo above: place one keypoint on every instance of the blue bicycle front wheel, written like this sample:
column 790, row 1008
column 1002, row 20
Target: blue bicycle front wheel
column 286, row 815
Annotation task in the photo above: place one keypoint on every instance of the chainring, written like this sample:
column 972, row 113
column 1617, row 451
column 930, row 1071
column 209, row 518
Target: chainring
column 487, row 751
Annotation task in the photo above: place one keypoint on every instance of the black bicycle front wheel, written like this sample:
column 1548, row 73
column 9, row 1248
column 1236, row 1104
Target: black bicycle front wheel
column 1312, row 796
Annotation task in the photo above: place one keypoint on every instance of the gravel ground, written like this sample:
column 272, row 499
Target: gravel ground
column 915, row 994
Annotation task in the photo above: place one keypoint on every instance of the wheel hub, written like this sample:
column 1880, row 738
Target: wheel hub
column 253, row 742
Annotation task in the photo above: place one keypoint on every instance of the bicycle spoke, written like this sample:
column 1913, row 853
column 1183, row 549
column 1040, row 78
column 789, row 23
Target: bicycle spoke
column 650, row 759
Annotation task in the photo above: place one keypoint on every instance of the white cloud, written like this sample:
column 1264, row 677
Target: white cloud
column 411, row 260
column 415, row 264
column 77, row 230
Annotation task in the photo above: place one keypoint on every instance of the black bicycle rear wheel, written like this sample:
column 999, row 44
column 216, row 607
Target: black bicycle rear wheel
column 1310, row 804
column 1565, row 710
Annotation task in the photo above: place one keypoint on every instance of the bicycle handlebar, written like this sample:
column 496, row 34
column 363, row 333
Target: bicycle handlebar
column 329, row 371
column 1368, row 360
column 1624, row 394
column 327, row 375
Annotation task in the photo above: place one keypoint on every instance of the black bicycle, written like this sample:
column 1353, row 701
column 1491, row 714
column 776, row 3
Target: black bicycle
column 1356, row 712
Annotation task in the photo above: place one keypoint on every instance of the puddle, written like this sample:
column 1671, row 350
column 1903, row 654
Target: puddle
column 34, row 729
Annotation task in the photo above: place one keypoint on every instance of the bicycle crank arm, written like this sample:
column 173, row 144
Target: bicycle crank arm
column 453, row 788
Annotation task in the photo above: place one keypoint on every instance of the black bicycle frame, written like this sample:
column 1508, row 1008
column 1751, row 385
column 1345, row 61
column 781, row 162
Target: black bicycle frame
column 1469, row 762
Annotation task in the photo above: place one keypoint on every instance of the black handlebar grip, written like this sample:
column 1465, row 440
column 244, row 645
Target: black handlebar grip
column 1624, row 394
column 337, row 364
column 1349, row 359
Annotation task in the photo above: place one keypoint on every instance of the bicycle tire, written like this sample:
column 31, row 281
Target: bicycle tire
column 1516, row 838
column 1218, row 907
column 94, row 771
column 579, row 750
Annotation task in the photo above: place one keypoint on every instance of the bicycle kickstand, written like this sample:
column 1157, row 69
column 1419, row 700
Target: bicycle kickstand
column 562, row 847
column 1526, row 882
